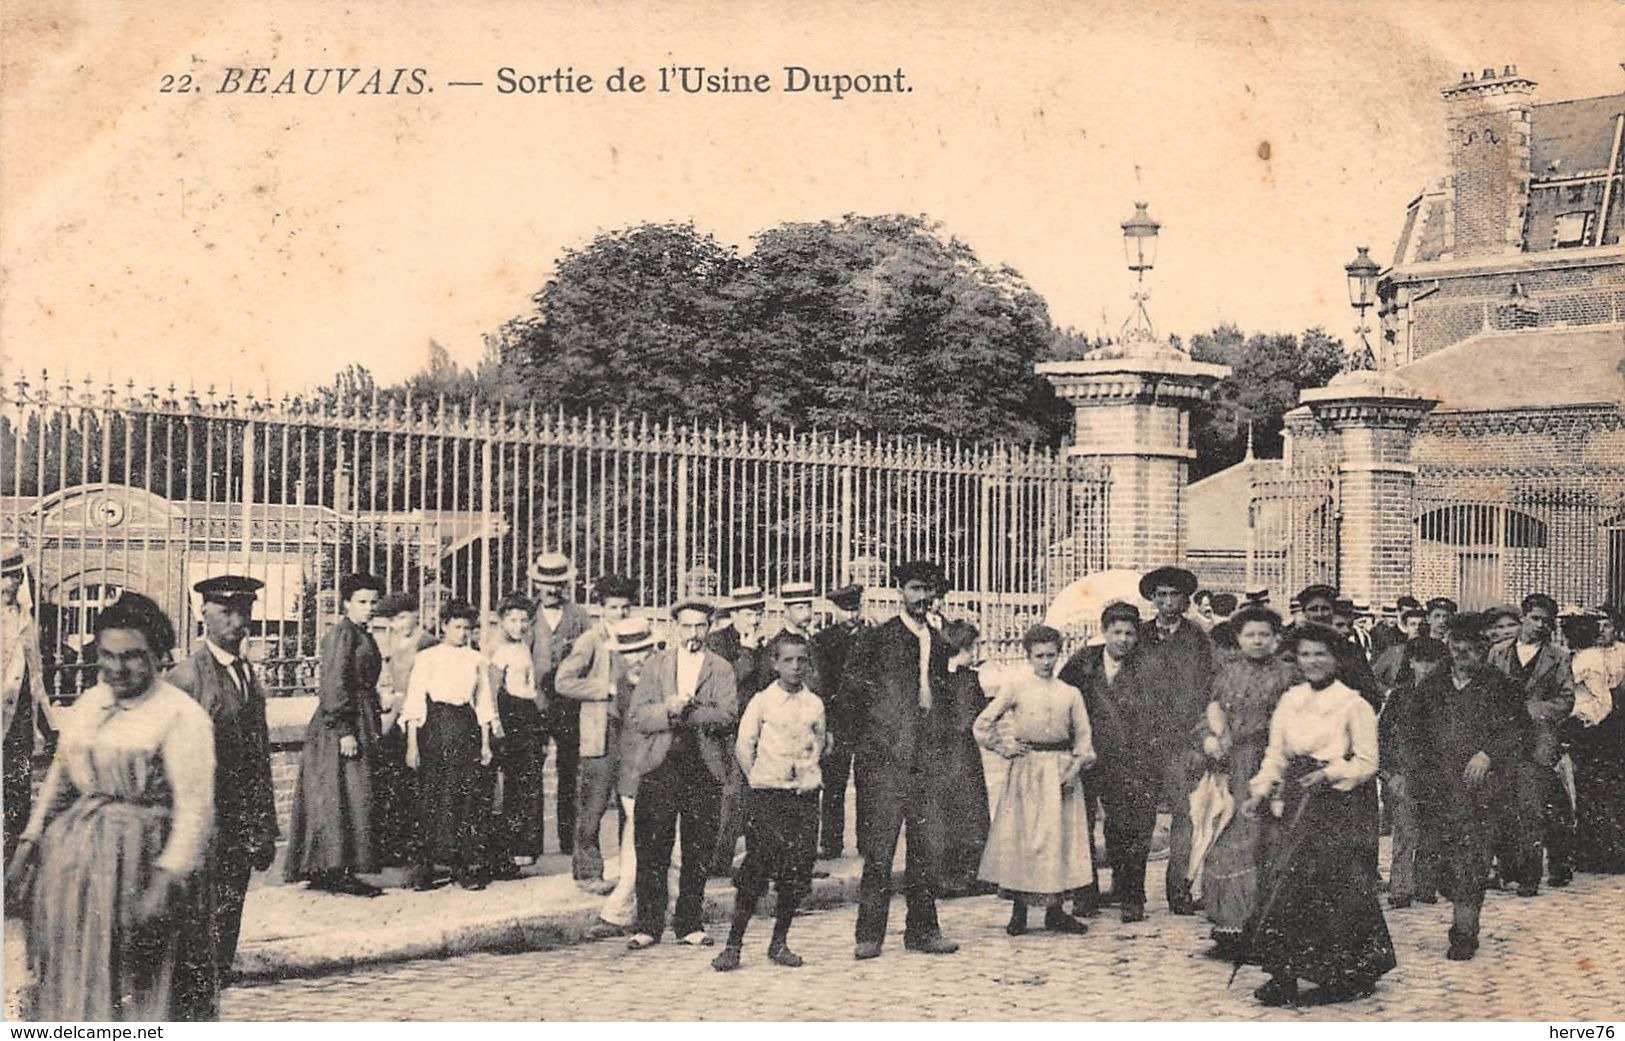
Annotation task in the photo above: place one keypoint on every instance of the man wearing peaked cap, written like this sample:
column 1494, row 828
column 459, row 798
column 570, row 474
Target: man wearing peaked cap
column 1176, row 672
column 220, row 679
column 1259, row 596
column 24, row 694
column 556, row 626
column 829, row 651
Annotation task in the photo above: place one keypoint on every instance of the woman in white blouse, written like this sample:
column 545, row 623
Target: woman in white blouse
column 450, row 718
column 1318, row 918
column 1597, row 742
column 111, row 866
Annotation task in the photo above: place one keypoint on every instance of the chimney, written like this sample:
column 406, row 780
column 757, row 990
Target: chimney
column 1488, row 123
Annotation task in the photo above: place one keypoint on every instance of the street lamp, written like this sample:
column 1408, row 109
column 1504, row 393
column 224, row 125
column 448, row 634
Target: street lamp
column 1362, row 274
column 1140, row 248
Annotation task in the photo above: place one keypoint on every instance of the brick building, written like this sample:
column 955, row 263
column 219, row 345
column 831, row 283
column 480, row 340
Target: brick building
column 1486, row 457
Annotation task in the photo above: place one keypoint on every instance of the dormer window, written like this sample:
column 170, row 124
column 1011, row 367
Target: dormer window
column 1571, row 229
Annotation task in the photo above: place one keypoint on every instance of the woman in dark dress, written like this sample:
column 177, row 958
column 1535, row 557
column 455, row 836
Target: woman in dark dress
column 331, row 827
column 967, row 814
column 1318, row 918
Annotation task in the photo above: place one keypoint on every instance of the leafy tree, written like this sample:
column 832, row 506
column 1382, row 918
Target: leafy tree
column 878, row 324
column 642, row 319
column 1267, row 372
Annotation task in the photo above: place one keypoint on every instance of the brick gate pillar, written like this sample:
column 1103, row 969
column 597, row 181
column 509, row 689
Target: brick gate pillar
column 1131, row 408
column 1371, row 419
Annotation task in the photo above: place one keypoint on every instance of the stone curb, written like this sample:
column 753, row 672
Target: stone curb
column 501, row 933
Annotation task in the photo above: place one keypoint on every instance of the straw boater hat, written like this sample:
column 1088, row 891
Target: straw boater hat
column 11, row 558
column 633, row 634
column 745, row 597
column 1260, row 596
column 550, row 568
column 797, row 593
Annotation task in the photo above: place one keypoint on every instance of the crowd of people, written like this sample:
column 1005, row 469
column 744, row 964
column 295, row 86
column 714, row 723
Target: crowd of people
column 1491, row 736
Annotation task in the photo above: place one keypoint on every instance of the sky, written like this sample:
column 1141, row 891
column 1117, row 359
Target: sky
column 265, row 242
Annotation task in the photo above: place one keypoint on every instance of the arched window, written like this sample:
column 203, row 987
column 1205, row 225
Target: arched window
column 1483, row 524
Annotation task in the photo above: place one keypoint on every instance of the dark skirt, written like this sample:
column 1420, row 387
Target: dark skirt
column 454, row 790
column 1599, row 785
column 330, row 828
column 966, row 814
column 1318, row 918
column 395, row 808
column 520, row 756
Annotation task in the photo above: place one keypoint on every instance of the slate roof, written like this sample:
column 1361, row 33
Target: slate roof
column 1529, row 368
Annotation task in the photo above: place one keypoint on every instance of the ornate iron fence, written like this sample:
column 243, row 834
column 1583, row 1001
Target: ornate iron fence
column 109, row 489
column 1293, row 527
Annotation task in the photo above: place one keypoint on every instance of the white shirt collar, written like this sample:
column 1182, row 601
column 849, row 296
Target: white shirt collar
column 221, row 655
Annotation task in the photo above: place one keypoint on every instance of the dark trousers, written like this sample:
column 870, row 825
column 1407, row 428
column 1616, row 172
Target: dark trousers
column 595, row 792
column 781, row 843
column 1129, row 806
column 518, row 760
column 229, row 881
column 563, row 727
column 836, row 769
column 1537, row 827
column 1177, row 782
column 682, row 790
column 891, row 800
column 17, row 762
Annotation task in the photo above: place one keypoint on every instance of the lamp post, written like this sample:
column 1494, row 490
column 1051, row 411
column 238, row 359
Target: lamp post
column 1362, row 274
column 1140, row 248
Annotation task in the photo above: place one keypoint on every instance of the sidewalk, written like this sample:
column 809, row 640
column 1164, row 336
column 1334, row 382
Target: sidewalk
column 290, row 931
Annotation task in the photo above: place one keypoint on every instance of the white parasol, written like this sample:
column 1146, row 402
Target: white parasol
column 1081, row 602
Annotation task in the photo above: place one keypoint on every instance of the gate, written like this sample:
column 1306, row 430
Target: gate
column 112, row 489
column 1292, row 533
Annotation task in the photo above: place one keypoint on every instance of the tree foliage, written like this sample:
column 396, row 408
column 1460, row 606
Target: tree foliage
column 876, row 324
column 1267, row 372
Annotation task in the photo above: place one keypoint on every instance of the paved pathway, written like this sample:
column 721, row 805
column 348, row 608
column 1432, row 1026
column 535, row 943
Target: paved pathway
column 1557, row 957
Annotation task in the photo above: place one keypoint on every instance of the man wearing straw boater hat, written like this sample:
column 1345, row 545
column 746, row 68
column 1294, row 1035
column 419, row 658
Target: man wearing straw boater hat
column 558, row 624
column 24, row 693
column 220, row 679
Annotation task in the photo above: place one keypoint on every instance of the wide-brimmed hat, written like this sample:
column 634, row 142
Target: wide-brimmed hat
column 1183, row 581
column 746, row 596
column 551, row 568
column 633, row 634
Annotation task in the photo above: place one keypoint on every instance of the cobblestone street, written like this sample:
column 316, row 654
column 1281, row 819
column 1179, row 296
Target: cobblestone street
column 1556, row 957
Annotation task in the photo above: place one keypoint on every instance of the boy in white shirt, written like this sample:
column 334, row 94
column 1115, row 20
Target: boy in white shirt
column 781, row 739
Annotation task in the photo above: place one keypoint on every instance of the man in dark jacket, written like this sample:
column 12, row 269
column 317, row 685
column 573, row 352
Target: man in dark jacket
column 1176, row 676
column 1543, row 816
column 245, row 829
column 557, row 626
column 894, row 688
column 678, row 741
column 830, row 648
column 1461, row 736
column 1124, row 780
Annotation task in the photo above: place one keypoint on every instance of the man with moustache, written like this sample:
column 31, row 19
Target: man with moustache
column 557, row 626
column 894, row 689
column 245, row 829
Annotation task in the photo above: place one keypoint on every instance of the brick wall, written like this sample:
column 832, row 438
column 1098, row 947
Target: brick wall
column 1465, row 305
